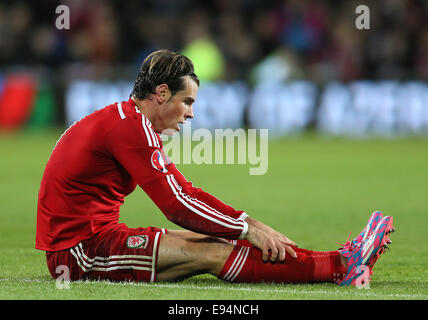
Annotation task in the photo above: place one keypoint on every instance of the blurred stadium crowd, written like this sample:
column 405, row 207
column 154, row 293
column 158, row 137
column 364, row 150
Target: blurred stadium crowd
column 318, row 38
column 255, row 41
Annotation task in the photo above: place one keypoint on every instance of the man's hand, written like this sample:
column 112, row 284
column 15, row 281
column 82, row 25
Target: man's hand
column 271, row 241
column 271, row 232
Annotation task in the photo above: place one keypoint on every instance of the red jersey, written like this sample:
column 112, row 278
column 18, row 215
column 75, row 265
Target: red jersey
column 101, row 159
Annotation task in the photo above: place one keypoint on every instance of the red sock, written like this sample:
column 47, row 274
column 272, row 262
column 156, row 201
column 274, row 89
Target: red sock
column 245, row 264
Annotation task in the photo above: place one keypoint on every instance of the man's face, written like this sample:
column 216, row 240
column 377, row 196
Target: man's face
column 178, row 108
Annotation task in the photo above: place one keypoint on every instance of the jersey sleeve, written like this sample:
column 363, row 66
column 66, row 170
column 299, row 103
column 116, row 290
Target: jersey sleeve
column 204, row 196
column 139, row 152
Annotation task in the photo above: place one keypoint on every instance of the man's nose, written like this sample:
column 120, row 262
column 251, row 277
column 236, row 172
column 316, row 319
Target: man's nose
column 189, row 114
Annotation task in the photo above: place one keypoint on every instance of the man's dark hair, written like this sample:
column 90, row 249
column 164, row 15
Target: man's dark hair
column 160, row 67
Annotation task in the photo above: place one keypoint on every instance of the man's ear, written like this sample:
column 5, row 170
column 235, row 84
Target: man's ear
column 162, row 93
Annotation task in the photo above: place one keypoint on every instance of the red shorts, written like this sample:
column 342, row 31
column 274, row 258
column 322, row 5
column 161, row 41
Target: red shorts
column 117, row 254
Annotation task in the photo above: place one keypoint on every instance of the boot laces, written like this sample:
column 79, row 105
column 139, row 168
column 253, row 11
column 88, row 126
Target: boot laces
column 348, row 245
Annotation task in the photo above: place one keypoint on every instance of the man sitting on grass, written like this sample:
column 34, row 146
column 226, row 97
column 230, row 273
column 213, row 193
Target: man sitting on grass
column 101, row 159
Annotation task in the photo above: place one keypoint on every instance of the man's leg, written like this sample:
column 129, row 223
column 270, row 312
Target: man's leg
column 183, row 254
column 245, row 264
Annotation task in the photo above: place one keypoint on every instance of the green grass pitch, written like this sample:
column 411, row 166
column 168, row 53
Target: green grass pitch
column 316, row 191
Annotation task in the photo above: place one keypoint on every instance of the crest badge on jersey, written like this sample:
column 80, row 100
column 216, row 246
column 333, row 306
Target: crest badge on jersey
column 157, row 161
column 137, row 242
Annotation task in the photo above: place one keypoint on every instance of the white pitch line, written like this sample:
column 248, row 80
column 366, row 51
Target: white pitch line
column 357, row 292
column 253, row 289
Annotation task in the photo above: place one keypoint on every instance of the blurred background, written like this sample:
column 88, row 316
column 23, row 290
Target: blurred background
column 288, row 66
column 346, row 109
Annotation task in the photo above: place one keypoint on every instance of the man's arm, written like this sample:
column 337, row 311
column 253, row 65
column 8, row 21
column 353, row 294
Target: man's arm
column 188, row 207
column 180, row 202
column 204, row 196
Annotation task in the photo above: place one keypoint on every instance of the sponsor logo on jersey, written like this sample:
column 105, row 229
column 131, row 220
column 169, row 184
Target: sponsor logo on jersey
column 137, row 242
column 157, row 161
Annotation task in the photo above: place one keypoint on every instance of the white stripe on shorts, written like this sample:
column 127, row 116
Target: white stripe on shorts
column 110, row 263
